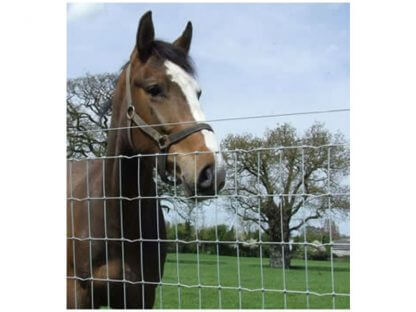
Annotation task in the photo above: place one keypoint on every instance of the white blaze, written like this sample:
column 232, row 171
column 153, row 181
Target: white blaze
column 190, row 89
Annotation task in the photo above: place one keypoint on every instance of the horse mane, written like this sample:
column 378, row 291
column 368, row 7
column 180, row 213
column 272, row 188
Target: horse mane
column 166, row 51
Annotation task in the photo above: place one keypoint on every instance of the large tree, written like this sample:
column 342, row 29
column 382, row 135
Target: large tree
column 282, row 180
column 88, row 108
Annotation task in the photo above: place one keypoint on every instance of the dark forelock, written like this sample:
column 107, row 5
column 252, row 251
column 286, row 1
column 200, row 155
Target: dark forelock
column 174, row 54
column 167, row 51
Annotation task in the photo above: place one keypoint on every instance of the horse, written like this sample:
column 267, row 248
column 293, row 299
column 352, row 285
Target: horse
column 115, row 224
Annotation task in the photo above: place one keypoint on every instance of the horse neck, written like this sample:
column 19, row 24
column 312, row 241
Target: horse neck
column 126, row 174
column 117, row 144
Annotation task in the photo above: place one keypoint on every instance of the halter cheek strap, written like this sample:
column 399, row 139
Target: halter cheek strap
column 163, row 141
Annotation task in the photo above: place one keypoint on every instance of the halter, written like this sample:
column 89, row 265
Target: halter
column 163, row 141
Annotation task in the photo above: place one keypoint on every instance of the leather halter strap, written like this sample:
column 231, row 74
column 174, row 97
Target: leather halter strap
column 163, row 141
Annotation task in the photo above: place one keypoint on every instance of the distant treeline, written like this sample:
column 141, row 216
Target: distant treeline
column 248, row 241
column 187, row 232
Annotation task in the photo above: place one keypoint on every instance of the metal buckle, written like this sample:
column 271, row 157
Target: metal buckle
column 163, row 142
column 130, row 112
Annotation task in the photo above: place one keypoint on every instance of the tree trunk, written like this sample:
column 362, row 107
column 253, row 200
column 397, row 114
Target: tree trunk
column 276, row 260
column 279, row 254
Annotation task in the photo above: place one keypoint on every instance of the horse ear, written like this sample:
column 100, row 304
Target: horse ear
column 145, row 36
column 184, row 41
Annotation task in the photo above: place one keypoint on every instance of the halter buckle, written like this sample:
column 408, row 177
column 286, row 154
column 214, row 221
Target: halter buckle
column 131, row 111
column 164, row 142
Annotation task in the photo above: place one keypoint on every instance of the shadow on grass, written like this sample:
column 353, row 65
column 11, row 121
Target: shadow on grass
column 318, row 268
column 207, row 262
column 302, row 268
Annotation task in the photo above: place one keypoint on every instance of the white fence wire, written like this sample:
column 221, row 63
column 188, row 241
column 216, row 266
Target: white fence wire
column 237, row 242
column 218, row 201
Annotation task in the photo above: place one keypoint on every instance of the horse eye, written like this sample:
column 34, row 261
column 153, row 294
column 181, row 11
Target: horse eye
column 154, row 90
column 199, row 94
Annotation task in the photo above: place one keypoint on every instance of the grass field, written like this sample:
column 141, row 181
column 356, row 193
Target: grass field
column 319, row 281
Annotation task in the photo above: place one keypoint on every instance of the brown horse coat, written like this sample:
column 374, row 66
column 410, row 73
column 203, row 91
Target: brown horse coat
column 115, row 253
column 137, row 216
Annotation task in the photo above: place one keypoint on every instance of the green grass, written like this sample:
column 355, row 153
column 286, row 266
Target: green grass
column 319, row 281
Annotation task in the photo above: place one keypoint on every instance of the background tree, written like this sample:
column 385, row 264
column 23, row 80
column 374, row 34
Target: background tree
column 88, row 107
column 291, row 180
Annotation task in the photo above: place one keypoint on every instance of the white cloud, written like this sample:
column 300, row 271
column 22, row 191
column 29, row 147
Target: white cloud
column 82, row 10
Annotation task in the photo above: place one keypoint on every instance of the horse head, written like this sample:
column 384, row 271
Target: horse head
column 164, row 115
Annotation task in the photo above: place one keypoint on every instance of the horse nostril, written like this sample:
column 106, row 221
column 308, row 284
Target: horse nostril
column 206, row 178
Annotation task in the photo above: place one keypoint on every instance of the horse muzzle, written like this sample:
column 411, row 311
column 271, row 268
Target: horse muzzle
column 207, row 183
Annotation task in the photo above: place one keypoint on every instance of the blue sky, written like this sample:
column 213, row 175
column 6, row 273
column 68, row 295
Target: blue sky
column 251, row 59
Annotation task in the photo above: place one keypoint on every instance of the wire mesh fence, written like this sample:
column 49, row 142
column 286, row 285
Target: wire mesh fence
column 246, row 257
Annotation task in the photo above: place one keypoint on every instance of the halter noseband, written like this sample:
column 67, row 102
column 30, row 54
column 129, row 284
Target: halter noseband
column 163, row 141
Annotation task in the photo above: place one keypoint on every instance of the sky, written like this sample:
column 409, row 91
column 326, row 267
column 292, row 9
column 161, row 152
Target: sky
column 251, row 59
